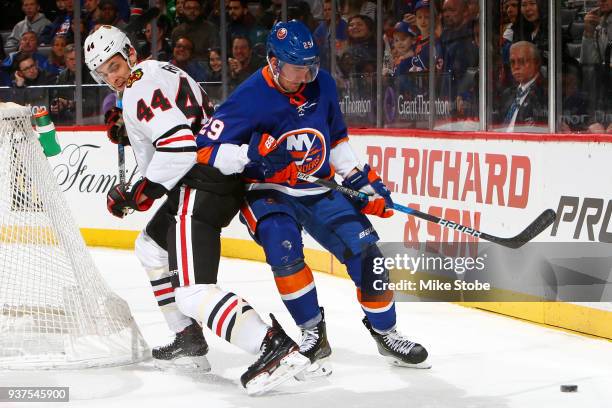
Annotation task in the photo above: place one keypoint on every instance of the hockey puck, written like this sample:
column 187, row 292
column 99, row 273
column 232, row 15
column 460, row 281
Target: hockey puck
column 569, row 388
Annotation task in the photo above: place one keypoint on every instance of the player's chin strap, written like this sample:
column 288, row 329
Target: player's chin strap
column 275, row 70
column 275, row 74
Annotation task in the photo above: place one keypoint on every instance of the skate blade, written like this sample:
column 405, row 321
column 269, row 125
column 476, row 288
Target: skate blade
column 184, row 364
column 317, row 370
column 399, row 363
column 290, row 365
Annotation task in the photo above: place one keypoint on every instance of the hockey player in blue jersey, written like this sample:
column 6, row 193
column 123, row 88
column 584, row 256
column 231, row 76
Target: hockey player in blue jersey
column 286, row 118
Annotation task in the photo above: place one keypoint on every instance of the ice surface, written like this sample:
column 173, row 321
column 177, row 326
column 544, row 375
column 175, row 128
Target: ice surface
column 479, row 359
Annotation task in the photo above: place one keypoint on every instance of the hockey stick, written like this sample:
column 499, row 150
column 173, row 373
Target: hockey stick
column 533, row 230
column 121, row 163
column 120, row 149
column 121, row 156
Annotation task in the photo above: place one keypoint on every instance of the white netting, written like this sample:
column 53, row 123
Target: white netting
column 55, row 309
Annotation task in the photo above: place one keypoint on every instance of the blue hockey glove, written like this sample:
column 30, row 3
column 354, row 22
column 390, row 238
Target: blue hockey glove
column 369, row 182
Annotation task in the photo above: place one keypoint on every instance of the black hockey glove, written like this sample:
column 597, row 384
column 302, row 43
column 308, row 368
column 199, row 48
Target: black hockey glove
column 140, row 197
column 115, row 128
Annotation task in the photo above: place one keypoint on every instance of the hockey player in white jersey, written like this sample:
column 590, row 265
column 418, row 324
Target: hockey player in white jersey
column 180, row 247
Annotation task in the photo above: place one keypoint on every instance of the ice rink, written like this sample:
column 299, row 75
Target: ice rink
column 479, row 359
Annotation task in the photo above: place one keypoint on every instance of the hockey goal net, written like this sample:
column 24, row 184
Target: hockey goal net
column 56, row 311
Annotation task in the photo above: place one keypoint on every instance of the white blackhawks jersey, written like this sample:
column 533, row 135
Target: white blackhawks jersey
column 162, row 108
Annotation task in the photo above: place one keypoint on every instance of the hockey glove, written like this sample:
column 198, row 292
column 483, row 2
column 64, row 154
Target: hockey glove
column 369, row 182
column 268, row 163
column 140, row 197
column 115, row 127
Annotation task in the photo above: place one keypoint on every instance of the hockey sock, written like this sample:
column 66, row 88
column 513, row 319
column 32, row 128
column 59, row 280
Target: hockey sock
column 296, row 286
column 154, row 260
column 378, row 305
column 163, row 290
column 226, row 314
column 282, row 242
column 380, row 310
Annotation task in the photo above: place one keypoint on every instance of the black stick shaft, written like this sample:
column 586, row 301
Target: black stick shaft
column 534, row 229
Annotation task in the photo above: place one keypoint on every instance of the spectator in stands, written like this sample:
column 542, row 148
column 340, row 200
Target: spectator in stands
column 62, row 106
column 360, row 7
column 473, row 11
column 575, row 108
column 27, row 72
column 596, row 58
column 68, row 74
column 179, row 17
column 214, row 16
column 109, row 14
column 182, row 57
column 56, row 57
column 403, row 49
column 301, row 11
column 243, row 63
column 91, row 13
column 242, row 23
column 368, row 8
column 62, row 25
column 165, row 8
column 527, row 104
column 34, row 21
column 316, row 9
column 84, row 33
column 346, row 66
column 270, row 14
column 322, row 35
column 29, row 45
column 510, row 10
column 214, row 65
column 405, row 11
column 203, row 34
column 362, row 44
column 164, row 49
column 52, row 12
column 532, row 26
column 457, row 51
column 420, row 62
column 597, row 33
column 214, row 74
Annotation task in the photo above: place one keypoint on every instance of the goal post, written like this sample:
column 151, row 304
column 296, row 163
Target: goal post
column 56, row 311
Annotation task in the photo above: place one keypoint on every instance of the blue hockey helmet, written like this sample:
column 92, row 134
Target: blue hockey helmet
column 292, row 43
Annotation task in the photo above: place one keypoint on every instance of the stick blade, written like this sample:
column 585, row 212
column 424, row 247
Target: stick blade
column 534, row 229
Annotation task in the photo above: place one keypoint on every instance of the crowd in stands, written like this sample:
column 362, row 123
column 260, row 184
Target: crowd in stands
column 38, row 49
column 519, row 96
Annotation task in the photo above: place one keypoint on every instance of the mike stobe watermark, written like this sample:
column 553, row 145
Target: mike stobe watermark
column 435, row 285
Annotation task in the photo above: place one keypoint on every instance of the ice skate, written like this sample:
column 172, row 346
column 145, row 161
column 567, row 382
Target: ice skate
column 279, row 360
column 186, row 352
column 314, row 345
column 398, row 350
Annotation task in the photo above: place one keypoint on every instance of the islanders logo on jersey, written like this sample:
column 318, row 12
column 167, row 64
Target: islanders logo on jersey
column 307, row 146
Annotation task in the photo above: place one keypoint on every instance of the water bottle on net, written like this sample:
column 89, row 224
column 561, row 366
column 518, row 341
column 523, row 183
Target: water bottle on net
column 46, row 132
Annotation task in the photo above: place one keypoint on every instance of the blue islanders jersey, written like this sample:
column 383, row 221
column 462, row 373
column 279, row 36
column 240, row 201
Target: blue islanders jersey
column 307, row 124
